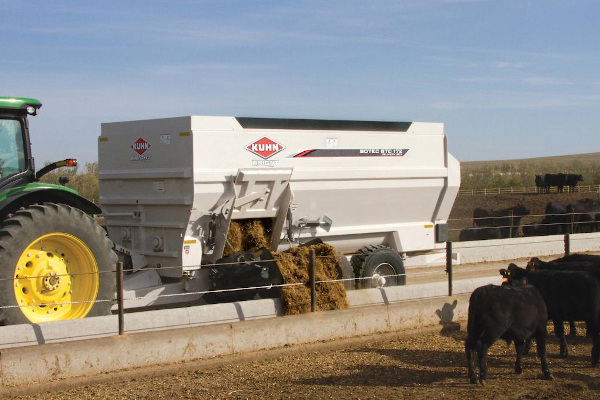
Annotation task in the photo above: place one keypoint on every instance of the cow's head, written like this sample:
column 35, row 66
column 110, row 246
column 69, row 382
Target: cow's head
column 505, row 277
column 533, row 264
column 513, row 275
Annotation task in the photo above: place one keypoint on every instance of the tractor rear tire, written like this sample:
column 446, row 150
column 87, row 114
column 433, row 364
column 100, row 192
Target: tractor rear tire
column 56, row 263
column 380, row 260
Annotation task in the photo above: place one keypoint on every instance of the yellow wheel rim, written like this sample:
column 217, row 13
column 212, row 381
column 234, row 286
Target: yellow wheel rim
column 56, row 278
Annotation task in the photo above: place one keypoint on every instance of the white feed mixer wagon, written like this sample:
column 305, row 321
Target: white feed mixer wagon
column 379, row 192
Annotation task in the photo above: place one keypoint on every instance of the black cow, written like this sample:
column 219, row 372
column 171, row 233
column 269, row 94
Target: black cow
column 589, row 258
column 557, row 218
column 569, row 296
column 572, row 180
column 558, row 180
column 540, row 184
column 513, row 313
column 476, row 233
column 572, row 262
column 585, row 216
column 507, row 219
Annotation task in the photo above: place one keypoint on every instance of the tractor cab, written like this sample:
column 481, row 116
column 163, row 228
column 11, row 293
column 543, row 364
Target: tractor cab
column 16, row 161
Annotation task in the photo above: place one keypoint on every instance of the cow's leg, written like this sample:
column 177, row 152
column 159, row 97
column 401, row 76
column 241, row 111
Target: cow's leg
column 519, row 348
column 527, row 347
column 482, row 353
column 572, row 329
column 540, row 340
column 470, row 345
column 594, row 331
column 483, row 344
column 595, row 350
column 559, row 330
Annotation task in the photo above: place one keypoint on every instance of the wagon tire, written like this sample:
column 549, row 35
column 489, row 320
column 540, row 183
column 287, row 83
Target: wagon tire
column 56, row 263
column 381, row 260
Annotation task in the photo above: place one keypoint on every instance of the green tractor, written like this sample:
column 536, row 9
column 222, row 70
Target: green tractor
column 56, row 262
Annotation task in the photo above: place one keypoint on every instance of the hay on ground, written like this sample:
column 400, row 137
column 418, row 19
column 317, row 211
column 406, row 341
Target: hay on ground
column 293, row 264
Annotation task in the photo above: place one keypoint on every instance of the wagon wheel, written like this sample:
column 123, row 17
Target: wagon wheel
column 379, row 260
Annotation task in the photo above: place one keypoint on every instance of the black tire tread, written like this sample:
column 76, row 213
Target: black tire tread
column 362, row 255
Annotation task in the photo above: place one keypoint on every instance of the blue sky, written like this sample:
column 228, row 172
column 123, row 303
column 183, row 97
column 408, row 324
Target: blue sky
column 509, row 79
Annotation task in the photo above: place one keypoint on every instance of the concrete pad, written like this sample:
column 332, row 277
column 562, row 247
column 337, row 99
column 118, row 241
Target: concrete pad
column 156, row 319
column 19, row 335
column 389, row 295
column 43, row 363
column 527, row 247
column 89, row 357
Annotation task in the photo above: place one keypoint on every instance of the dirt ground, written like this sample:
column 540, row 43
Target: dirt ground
column 421, row 364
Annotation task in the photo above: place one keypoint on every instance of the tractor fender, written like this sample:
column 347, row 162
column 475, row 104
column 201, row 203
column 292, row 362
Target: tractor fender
column 45, row 194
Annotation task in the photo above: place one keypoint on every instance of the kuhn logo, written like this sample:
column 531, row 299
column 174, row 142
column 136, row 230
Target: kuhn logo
column 265, row 147
column 140, row 146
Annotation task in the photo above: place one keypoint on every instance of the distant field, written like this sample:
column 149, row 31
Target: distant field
column 586, row 159
column 522, row 172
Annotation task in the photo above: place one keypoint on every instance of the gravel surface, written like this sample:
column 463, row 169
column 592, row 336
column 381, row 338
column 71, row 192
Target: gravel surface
column 417, row 365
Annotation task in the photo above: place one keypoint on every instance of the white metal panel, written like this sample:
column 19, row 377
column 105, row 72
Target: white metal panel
column 377, row 186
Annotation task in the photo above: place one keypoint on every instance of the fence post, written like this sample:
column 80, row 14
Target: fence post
column 449, row 266
column 567, row 244
column 572, row 222
column 120, row 297
column 311, row 278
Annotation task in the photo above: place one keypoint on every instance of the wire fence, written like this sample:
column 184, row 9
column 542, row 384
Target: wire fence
column 35, row 283
column 18, row 278
column 515, row 225
column 311, row 282
column 528, row 190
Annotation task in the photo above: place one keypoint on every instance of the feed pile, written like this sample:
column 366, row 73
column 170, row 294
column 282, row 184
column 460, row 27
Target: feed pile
column 293, row 264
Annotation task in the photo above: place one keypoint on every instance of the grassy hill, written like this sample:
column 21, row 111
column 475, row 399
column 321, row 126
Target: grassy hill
column 586, row 159
column 521, row 172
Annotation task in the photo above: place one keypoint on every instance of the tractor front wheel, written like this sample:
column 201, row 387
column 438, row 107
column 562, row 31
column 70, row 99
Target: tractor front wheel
column 56, row 263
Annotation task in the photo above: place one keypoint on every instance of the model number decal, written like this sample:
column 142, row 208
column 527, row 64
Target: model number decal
column 350, row 153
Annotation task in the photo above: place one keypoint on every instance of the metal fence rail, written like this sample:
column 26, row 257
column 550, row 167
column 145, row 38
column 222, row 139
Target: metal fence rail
column 526, row 189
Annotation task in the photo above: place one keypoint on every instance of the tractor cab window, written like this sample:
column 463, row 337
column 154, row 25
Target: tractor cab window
column 12, row 156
